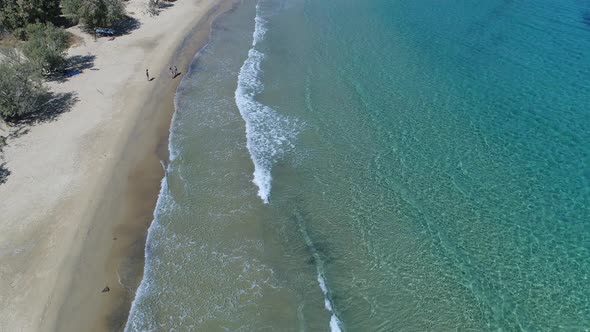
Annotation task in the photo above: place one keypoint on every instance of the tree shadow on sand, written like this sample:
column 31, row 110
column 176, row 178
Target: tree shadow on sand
column 162, row 5
column 51, row 106
column 74, row 66
column 4, row 173
column 165, row 4
column 126, row 26
column 80, row 62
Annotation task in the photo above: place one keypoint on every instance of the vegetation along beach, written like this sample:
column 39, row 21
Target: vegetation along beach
column 294, row 165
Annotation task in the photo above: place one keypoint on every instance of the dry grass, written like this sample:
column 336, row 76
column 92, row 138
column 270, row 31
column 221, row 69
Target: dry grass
column 74, row 40
column 9, row 41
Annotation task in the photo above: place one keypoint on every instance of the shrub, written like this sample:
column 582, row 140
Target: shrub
column 70, row 9
column 94, row 13
column 46, row 46
column 16, row 14
column 21, row 86
column 115, row 11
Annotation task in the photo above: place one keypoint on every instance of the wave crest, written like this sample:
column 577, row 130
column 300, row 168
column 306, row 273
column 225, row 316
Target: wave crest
column 269, row 135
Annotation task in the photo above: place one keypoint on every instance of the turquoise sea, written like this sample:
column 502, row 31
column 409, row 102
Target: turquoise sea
column 378, row 165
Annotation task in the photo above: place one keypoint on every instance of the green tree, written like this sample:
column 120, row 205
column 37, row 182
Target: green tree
column 21, row 86
column 94, row 13
column 115, row 11
column 16, row 14
column 70, row 9
column 46, row 46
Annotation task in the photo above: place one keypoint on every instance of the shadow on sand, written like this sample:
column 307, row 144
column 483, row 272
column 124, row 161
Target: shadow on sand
column 80, row 62
column 51, row 106
column 126, row 26
column 163, row 5
column 4, row 173
column 74, row 66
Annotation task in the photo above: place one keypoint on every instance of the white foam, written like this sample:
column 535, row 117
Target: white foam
column 136, row 316
column 268, row 133
column 259, row 27
column 334, row 321
column 335, row 324
column 164, row 202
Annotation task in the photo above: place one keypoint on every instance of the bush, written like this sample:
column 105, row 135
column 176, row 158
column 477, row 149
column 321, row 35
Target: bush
column 46, row 46
column 94, row 13
column 115, row 11
column 16, row 14
column 21, row 86
column 70, row 9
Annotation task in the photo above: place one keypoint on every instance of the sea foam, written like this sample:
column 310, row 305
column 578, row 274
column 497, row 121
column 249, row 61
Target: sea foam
column 268, row 134
column 137, row 320
column 335, row 323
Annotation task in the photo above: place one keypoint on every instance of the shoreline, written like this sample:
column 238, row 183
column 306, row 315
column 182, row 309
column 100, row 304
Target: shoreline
column 142, row 164
column 92, row 234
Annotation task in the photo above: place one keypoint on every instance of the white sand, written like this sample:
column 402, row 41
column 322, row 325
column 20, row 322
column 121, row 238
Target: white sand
column 60, row 170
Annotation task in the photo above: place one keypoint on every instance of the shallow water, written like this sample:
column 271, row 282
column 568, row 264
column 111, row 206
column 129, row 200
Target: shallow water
column 378, row 166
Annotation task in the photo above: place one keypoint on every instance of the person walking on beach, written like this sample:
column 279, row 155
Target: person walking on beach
column 171, row 73
column 175, row 71
column 147, row 74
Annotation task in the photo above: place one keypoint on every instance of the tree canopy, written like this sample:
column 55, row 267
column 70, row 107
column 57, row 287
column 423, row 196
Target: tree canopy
column 16, row 14
column 94, row 13
column 21, row 86
column 46, row 46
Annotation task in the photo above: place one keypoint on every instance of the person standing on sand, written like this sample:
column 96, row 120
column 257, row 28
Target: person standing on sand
column 147, row 74
column 175, row 71
column 171, row 73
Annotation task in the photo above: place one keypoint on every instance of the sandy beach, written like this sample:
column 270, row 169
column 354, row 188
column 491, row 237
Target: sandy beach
column 82, row 188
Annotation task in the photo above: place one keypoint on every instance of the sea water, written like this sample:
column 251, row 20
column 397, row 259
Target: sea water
column 378, row 166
